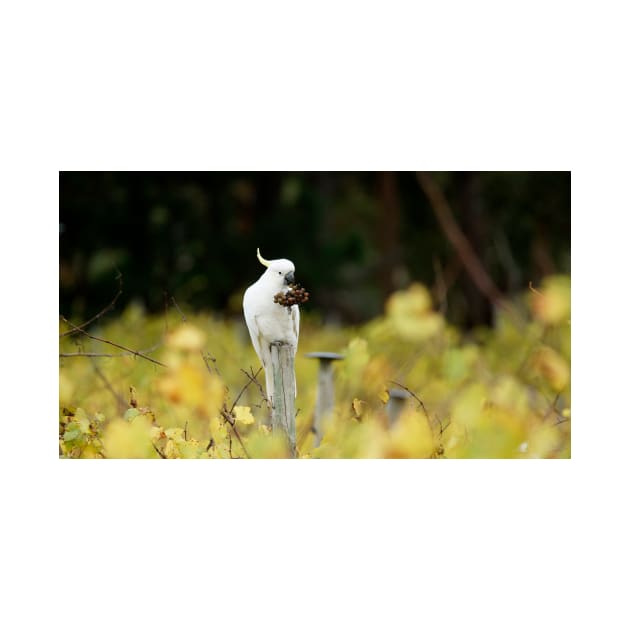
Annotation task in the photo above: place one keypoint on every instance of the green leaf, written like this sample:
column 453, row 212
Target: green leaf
column 131, row 413
column 73, row 434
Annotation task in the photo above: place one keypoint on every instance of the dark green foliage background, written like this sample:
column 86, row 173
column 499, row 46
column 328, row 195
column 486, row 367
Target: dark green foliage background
column 354, row 237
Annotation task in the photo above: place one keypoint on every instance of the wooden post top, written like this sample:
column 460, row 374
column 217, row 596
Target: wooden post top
column 325, row 356
column 399, row 393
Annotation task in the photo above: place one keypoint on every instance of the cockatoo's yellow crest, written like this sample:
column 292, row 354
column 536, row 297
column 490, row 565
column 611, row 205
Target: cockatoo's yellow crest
column 264, row 262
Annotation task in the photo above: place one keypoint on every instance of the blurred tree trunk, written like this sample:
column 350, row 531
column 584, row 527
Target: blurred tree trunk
column 540, row 252
column 475, row 225
column 387, row 234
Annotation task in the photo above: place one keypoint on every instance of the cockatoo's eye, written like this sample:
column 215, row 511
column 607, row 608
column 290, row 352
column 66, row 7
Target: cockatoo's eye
column 279, row 273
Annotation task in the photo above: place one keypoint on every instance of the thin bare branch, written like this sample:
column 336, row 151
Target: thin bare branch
column 240, row 441
column 135, row 353
column 210, row 358
column 179, row 310
column 231, row 421
column 552, row 408
column 103, row 354
column 230, row 446
column 159, row 452
column 251, row 380
column 92, row 354
column 100, row 314
column 120, row 401
column 426, row 413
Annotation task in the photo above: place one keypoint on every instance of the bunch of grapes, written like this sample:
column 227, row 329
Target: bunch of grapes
column 295, row 295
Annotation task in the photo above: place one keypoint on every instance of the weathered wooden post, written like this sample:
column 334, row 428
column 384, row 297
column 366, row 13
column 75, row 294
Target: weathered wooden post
column 283, row 410
column 395, row 404
column 325, row 389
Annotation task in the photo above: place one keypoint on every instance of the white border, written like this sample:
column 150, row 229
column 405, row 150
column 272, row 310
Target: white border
column 329, row 86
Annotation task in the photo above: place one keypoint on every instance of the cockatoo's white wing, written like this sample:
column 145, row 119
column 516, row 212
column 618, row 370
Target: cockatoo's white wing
column 295, row 315
column 258, row 341
column 252, row 326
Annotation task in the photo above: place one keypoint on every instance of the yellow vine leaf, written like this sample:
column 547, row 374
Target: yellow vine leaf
column 553, row 367
column 243, row 415
column 411, row 437
column 187, row 338
column 358, row 406
column 129, row 440
column 552, row 305
column 411, row 314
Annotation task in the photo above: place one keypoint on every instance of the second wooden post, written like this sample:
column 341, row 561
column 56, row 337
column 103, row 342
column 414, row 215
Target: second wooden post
column 325, row 390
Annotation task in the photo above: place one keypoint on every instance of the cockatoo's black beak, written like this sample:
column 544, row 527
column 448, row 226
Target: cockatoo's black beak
column 289, row 278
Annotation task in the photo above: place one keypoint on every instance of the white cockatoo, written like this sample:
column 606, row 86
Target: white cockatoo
column 267, row 321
